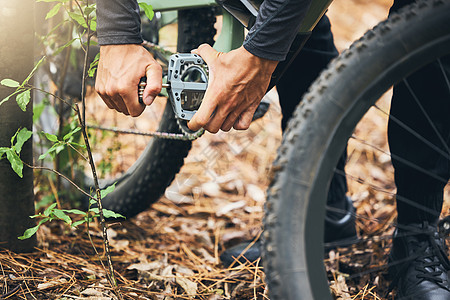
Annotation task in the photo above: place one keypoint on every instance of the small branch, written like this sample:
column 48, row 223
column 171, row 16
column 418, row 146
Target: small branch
column 59, row 174
column 82, row 120
column 77, row 151
column 10, row 293
column 112, row 278
column 51, row 94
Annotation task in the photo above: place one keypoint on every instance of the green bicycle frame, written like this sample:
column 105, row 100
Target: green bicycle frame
column 232, row 34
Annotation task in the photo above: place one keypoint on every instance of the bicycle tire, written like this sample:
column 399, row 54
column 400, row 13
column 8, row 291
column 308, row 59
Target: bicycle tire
column 318, row 132
column 145, row 182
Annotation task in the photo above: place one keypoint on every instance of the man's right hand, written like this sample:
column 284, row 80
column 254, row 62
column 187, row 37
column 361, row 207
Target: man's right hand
column 119, row 71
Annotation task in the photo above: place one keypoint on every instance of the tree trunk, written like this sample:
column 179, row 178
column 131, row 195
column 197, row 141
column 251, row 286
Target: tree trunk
column 16, row 61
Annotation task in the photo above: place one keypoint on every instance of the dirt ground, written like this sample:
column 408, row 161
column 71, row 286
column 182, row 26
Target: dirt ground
column 171, row 251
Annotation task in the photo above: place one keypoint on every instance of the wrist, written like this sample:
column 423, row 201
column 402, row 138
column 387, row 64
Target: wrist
column 263, row 63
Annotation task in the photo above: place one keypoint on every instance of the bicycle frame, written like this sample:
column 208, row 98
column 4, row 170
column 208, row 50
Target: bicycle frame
column 232, row 34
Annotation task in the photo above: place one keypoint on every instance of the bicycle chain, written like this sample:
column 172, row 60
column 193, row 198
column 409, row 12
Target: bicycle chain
column 184, row 136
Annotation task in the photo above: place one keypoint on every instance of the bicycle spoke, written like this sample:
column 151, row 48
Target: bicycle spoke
column 413, row 132
column 416, row 99
column 406, row 162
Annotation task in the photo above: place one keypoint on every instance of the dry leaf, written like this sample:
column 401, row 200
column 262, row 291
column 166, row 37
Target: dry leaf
column 255, row 193
column 51, row 283
column 230, row 207
column 188, row 286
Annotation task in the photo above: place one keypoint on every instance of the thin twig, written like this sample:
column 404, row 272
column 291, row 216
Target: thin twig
column 59, row 174
column 82, row 119
column 77, row 151
column 51, row 94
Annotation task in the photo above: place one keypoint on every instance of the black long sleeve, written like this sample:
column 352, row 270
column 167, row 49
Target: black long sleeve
column 271, row 36
column 118, row 22
column 275, row 28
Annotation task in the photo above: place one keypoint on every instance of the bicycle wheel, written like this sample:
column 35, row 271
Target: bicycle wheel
column 293, row 249
column 146, row 180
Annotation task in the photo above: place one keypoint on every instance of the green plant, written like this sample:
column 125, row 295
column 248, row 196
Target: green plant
column 75, row 18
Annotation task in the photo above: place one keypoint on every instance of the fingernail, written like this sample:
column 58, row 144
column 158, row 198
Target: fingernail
column 149, row 100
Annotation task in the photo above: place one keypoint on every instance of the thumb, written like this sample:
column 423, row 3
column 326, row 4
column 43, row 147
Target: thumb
column 207, row 52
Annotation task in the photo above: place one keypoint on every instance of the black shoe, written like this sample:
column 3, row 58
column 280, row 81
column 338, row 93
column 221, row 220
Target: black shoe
column 339, row 231
column 419, row 265
column 231, row 254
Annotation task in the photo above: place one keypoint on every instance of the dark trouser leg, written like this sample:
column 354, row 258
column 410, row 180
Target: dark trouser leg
column 314, row 57
column 423, row 187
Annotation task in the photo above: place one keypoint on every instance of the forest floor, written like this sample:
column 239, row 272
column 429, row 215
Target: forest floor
column 171, row 251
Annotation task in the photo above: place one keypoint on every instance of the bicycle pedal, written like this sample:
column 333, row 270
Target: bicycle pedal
column 187, row 80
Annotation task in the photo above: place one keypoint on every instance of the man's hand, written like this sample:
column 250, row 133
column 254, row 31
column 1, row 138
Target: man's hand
column 119, row 70
column 237, row 82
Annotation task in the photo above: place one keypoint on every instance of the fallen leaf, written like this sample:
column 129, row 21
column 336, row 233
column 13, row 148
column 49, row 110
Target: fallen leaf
column 187, row 285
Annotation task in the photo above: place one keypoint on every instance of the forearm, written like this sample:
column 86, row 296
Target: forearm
column 118, row 22
column 275, row 28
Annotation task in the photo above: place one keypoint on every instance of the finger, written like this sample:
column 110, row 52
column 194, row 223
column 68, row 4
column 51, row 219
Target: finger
column 126, row 97
column 108, row 102
column 115, row 100
column 154, row 83
column 231, row 120
column 106, row 99
column 119, row 103
column 207, row 52
column 225, row 116
column 204, row 113
column 216, row 121
column 129, row 103
column 245, row 119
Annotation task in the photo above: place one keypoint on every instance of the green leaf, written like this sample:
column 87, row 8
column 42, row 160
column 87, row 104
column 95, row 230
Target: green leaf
column 59, row 147
column 31, row 231
column 51, row 137
column 148, row 10
column 62, row 215
column 75, row 224
column 53, row 11
column 69, row 135
column 10, row 83
column 78, row 18
column 49, row 210
column 74, row 211
column 93, row 25
column 69, row 43
column 3, row 151
column 23, row 136
column 7, row 98
column 14, row 137
column 78, row 145
column 89, row 9
column 95, row 210
column 52, row 148
column 108, row 190
column 15, row 161
column 23, row 99
column 93, row 66
column 110, row 214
